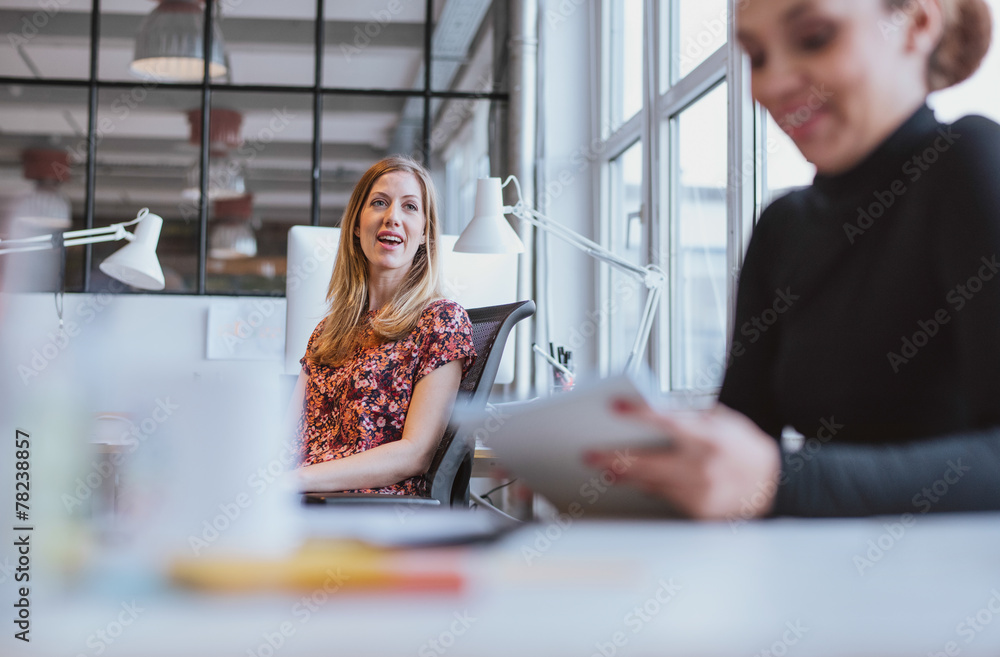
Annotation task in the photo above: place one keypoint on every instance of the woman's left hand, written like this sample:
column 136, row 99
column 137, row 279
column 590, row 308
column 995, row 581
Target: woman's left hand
column 718, row 465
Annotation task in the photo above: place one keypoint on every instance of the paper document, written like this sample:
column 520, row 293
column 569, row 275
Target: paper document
column 543, row 444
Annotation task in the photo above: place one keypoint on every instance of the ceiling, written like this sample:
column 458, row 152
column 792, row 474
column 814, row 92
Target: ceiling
column 144, row 151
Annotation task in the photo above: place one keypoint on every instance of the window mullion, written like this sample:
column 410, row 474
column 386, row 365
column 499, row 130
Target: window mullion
column 650, row 191
column 742, row 167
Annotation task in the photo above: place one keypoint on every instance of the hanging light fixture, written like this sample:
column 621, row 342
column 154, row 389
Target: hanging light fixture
column 232, row 236
column 169, row 45
column 226, row 179
column 45, row 208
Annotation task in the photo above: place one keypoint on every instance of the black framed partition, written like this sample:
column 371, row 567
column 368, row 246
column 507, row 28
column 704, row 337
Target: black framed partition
column 294, row 102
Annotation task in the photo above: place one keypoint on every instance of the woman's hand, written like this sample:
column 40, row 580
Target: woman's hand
column 718, row 465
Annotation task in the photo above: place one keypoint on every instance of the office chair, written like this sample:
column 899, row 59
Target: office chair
column 451, row 467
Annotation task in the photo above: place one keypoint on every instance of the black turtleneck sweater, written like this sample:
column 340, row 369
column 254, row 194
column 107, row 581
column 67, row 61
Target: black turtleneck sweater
column 868, row 319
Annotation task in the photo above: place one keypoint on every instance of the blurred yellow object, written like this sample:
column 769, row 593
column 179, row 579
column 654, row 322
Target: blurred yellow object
column 340, row 565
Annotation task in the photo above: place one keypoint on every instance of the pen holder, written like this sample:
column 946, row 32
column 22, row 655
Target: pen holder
column 561, row 382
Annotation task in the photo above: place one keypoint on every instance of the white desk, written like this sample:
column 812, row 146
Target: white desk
column 788, row 587
column 485, row 462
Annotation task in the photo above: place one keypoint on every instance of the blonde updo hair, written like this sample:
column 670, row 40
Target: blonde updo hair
column 965, row 38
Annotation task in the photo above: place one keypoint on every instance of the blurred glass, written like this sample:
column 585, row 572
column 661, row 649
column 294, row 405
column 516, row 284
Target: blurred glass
column 144, row 153
column 47, row 40
column 625, row 230
column 625, row 60
column 784, row 167
column 258, row 42
column 373, row 44
column 271, row 42
column 702, row 27
column 53, row 120
column 698, row 231
column 357, row 131
column 460, row 150
column 247, row 235
column 463, row 46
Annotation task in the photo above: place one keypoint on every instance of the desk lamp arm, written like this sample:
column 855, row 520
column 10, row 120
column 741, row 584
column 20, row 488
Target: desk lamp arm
column 651, row 276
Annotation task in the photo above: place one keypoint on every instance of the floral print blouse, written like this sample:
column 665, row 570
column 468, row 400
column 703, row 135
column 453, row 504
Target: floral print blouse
column 362, row 404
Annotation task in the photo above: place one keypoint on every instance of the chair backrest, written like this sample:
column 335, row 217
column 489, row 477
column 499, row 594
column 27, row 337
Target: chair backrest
column 471, row 279
column 451, row 468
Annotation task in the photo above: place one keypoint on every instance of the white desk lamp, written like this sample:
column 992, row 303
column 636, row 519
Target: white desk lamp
column 135, row 263
column 490, row 232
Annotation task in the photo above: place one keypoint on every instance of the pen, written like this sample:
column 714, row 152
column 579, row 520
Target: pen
column 552, row 361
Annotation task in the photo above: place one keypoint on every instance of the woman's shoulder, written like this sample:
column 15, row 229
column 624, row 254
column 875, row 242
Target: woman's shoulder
column 786, row 207
column 781, row 215
column 974, row 125
column 444, row 313
column 972, row 139
column 317, row 331
column 444, row 308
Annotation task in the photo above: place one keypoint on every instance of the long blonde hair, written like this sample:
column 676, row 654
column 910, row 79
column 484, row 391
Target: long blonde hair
column 348, row 292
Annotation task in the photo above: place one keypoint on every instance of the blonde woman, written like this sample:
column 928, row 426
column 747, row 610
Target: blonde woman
column 382, row 369
column 888, row 359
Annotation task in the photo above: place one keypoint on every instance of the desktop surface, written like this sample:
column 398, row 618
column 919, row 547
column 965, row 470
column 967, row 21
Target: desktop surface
column 881, row 586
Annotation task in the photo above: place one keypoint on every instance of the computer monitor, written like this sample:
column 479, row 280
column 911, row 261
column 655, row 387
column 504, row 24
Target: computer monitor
column 472, row 280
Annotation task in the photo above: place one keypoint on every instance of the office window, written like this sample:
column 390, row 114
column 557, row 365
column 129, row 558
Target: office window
column 684, row 220
column 366, row 37
column 714, row 160
column 43, row 149
column 301, row 98
column 625, row 60
column 784, row 168
column 270, row 161
column 702, row 27
column 698, row 233
column 626, row 240
column 132, row 123
column 461, row 139
column 464, row 44
column 357, row 130
column 46, row 40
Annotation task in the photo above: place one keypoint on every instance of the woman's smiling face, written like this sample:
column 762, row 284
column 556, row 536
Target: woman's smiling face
column 392, row 224
column 838, row 76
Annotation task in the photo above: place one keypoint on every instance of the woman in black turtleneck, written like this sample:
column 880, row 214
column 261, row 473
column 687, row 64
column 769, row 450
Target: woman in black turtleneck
column 868, row 309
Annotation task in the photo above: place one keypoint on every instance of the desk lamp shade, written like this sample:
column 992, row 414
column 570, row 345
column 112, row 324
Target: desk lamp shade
column 169, row 44
column 489, row 231
column 136, row 263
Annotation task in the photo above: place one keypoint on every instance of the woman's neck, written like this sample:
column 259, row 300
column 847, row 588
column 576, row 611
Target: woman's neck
column 382, row 287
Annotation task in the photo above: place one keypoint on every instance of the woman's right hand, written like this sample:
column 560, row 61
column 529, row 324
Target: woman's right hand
column 717, row 464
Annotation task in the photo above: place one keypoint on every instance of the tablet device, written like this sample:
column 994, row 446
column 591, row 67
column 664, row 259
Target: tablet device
column 543, row 443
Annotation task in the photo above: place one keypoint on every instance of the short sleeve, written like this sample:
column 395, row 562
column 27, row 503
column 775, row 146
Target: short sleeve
column 311, row 344
column 445, row 335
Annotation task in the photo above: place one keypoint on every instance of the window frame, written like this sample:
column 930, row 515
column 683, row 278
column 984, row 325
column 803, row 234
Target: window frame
column 94, row 85
column 652, row 125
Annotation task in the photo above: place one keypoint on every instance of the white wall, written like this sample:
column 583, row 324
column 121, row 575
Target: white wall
column 191, row 436
column 114, row 348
